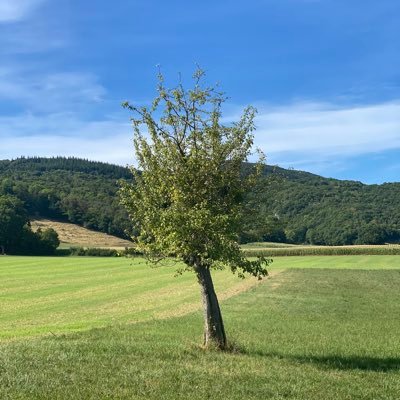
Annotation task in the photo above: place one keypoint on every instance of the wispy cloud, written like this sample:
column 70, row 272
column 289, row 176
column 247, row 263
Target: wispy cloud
column 30, row 38
column 54, row 113
column 66, row 135
column 48, row 92
column 315, row 136
column 16, row 10
column 29, row 27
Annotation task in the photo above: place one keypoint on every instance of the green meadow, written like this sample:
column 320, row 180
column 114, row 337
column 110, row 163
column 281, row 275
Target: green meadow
column 48, row 295
column 321, row 327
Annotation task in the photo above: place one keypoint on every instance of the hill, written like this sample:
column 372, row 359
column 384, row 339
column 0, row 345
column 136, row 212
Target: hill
column 298, row 207
column 311, row 209
column 68, row 189
column 74, row 235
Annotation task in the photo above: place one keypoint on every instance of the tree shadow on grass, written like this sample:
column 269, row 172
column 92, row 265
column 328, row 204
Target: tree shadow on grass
column 339, row 362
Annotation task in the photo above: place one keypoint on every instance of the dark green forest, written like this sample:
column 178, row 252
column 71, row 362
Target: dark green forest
column 68, row 189
column 296, row 207
column 301, row 207
column 16, row 235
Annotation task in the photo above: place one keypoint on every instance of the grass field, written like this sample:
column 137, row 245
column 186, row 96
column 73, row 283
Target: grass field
column 47, row 295
column 320, row 328
column 337, row 262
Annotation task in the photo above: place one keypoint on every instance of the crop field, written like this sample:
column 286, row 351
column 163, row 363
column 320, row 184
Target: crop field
column 112, row 328
column 283, row 249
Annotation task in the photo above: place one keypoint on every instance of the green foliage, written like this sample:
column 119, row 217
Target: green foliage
column 80, row 191
column 264, row 229
column 372, row 233
column 13, row 218
column 36, row 243
column 49, row 236
column 16, row 236
column 189, row 190
column 97, row 252
column 305, row 208
column 93, row 252
column 321, row 211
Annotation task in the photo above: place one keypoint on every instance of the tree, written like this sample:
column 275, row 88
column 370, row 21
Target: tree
column 188, row 193
column 372, row 233
column 13, row 218
column 49, row 240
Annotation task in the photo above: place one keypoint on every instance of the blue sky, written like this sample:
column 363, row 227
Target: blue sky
column 324, row 75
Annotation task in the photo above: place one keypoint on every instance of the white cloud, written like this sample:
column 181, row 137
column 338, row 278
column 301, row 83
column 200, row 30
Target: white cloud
column 48, row 92
column 52, row 114
column 15, row 10
column 315, row 136
column 113, row 149
column 66, row 135
column 30, row 38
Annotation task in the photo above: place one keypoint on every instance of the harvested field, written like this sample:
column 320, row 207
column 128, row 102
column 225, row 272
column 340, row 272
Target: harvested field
column 75, row 235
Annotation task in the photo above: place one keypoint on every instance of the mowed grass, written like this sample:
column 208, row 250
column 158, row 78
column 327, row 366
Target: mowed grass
column 338, row 262
column 327, row 332
column 49, row 295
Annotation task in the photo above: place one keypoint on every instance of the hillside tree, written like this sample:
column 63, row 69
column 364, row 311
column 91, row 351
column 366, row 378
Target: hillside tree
column 189, row 187
column 13, row 218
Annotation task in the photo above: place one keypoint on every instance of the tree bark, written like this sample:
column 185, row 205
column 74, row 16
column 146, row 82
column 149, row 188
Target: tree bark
column 214, row 331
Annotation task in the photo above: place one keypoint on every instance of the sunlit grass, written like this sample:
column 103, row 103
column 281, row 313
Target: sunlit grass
column 306, row 334
column 48, row 295
column 337, row 262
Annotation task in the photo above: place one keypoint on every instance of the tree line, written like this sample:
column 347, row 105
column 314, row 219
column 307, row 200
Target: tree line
column 296, row 207
column 69, row 189
column 305, row 208
column 16, row 235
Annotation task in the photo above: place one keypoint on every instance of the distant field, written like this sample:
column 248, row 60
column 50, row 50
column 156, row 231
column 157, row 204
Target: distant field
column 267, row 245
column 308, row 333
column 284, row 249
column 75, row 235
column 337, row 262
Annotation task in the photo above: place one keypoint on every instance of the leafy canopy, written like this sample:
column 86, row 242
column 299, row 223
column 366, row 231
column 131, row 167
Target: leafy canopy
column 13, row 218
column 190, row 185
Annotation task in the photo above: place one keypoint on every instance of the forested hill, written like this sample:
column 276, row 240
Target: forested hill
column 71, row 189
column 299, row 207
column 304, row 208
column 71, row 164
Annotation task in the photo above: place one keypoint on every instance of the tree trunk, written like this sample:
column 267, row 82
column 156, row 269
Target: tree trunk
column 214, row 332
